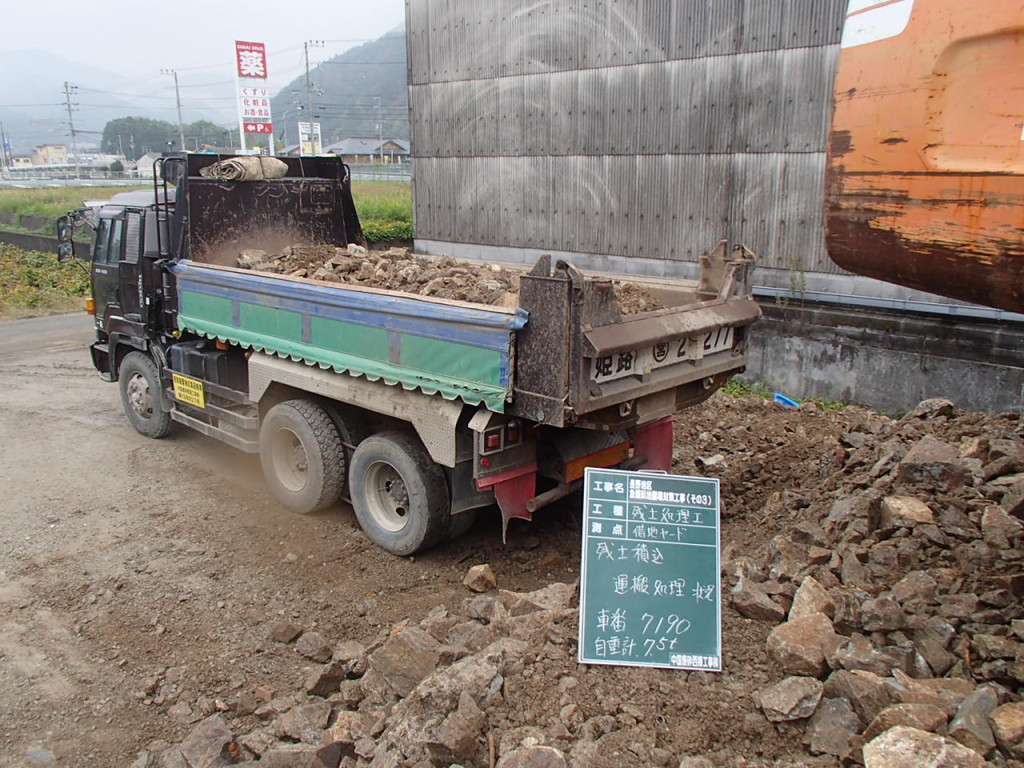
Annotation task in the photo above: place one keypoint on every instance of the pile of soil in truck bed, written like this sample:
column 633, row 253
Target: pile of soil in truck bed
column 397, row 269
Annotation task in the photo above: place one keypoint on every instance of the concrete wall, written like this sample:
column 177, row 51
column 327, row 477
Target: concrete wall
column 29, row 242
column 887, row 360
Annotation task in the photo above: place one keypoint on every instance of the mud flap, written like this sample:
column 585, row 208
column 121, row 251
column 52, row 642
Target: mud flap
column 512, row 494
column 654, row 442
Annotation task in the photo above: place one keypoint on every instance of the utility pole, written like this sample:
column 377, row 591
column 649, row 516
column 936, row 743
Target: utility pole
column 177, row 97
column 380, row 131
column 4, row 161
column 309, row 92
column 68, row 90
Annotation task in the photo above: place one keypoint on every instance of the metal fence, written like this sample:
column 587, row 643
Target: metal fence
column 381, row 172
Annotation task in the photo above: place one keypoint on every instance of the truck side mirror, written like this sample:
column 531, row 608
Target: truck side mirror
column 65, row 245
column 65, row 228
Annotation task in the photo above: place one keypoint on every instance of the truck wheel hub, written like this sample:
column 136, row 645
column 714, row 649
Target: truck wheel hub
column 291, row 463
column 389, row 502
column 138, row 396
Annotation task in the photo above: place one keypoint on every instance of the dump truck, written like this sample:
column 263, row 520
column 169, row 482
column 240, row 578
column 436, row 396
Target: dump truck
column 926, row 155
column 418, row 410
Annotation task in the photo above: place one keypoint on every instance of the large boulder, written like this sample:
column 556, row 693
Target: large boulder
column 903, row 747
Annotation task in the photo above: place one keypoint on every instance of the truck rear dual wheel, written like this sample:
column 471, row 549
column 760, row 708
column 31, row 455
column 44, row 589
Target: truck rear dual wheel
column 141, row 396
column 399, row 494
column 302, row 456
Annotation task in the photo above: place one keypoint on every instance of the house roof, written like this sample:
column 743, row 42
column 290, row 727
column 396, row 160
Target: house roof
column 362, row 146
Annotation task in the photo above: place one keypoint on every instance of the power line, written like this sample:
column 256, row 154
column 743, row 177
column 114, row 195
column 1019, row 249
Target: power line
column 360, row 63
column 22, row 106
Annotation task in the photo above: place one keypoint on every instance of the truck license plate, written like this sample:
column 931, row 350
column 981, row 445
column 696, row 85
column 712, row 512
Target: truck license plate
column 636, row 362
column 189, row 390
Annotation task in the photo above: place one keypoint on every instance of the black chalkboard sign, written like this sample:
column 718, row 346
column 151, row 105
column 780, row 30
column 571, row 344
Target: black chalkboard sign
column 649, row 583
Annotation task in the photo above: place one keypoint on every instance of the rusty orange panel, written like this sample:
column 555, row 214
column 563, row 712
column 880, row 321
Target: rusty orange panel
column 924, row 185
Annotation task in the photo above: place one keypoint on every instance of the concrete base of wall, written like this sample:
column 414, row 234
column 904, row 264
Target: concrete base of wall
column 29, row 242
column 888, row 361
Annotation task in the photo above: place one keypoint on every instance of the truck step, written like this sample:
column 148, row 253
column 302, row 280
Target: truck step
column 224, row 435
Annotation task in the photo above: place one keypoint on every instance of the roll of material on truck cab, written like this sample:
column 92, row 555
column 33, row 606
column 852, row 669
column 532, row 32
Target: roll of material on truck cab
column 924, row 184
column 417, row 409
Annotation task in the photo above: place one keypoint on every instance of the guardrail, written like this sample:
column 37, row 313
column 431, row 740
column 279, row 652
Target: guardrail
column 381, row 173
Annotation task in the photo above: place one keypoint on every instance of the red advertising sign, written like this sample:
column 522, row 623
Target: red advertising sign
column 251, row 59
column 255, row 105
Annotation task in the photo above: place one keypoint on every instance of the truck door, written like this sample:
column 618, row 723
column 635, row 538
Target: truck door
column 106, row 269
column 130, row 278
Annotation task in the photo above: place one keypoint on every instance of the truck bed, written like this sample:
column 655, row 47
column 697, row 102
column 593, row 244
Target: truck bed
column 455, row 349
column 565, row 353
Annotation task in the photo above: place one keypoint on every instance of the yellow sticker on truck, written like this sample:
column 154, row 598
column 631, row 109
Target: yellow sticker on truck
column 189, row 390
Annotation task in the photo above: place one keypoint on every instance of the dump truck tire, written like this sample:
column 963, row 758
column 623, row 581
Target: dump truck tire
column 141, row 395
column 399, row 494
column 302, row 456
column 460, row 523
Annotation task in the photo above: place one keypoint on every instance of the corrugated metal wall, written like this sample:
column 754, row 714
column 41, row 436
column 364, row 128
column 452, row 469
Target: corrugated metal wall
column 645, row 129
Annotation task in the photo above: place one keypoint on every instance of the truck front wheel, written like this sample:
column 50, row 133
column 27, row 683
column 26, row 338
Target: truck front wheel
column 302, row 456
column 399, row 494
column 141, row 396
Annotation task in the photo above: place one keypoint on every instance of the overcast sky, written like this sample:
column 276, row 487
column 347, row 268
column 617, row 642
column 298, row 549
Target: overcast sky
column 139, row 39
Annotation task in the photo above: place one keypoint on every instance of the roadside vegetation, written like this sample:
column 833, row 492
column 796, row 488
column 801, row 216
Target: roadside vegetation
column 385, row 210
column 33, row 283
column 385, row 207
column 50, row 203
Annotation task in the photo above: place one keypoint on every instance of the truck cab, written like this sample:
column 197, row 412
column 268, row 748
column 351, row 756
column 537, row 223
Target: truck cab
column 125, row 256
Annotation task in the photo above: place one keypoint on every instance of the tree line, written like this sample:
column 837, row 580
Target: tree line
column 133, row 137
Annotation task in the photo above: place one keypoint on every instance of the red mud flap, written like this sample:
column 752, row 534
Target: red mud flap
column 516, row 491
column 512, row 491
column 654, row 441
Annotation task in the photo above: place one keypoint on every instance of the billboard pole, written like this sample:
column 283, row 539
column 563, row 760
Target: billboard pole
column 241, row 111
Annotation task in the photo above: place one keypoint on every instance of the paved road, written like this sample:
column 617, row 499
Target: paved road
column 56, row 333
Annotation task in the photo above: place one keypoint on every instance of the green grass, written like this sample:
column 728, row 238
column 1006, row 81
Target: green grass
column 34, row 283
column 383, row 200
column 51, row 203
column 738, row 388
column 385, row 209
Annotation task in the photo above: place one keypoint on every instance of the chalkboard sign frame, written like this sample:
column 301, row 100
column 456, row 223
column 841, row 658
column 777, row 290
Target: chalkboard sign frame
column 650, row 576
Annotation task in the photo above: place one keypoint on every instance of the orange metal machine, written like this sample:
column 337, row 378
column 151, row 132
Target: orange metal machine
column 924, row 185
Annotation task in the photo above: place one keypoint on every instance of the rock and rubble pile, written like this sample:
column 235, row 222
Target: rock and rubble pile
column 398, row 269
column 424, row 694
column 899, row 608
column 872, row 578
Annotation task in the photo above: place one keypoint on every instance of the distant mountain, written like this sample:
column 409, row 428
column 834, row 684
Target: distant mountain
column 33, row 110
column 351, row 95
column 363, row 92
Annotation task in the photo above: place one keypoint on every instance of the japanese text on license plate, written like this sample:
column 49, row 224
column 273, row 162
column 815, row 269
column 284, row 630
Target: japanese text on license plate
column 636, row 362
